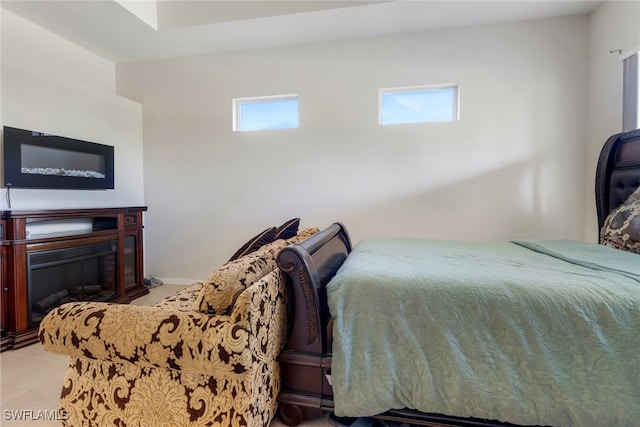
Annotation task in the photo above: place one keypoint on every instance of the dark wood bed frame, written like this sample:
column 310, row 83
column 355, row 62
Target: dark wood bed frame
column 306, row 361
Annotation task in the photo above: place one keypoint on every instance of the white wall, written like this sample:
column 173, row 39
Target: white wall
column 512, row 167
column 614, row 25
column 54, row 86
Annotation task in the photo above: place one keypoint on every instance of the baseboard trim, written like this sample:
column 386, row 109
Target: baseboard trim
column 178, row 281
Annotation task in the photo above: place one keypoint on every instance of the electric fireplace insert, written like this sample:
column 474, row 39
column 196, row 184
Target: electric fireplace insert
column 79, row 273
column 40, row 160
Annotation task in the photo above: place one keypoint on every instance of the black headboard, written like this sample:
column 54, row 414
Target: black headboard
column 617, row 173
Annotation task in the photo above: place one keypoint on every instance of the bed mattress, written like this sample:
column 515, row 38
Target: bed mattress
column 526, row 332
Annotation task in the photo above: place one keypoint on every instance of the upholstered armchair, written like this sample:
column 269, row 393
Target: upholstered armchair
column 206, row 356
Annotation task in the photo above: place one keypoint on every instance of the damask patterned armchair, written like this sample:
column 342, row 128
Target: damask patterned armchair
column 205, row 356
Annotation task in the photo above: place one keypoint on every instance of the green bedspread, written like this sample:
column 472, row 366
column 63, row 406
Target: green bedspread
column 531, row 332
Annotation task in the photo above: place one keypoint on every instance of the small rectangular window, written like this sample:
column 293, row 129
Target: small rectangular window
column 418, row 104
column 266, row 112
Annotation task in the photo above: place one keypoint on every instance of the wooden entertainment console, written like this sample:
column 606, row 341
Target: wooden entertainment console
column 111, row 237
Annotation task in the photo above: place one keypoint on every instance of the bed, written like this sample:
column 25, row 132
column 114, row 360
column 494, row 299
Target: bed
column 443, row 333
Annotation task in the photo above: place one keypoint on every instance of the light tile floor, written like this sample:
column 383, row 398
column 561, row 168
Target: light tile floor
column 31, row 380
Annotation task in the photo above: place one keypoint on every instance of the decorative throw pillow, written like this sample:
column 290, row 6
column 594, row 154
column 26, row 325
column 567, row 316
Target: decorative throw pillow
column 288, row 230
column 303, row 235
column 621, row 229
column 255, row 243
column 221, row 289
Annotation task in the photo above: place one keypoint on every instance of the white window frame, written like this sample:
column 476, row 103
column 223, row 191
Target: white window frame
column 237, row 102
column 423, row 88
column 631, row 90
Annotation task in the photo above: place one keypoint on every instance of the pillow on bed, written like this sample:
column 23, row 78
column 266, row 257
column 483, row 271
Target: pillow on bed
column 621, row 229
column 221, row 289
column 255, row 243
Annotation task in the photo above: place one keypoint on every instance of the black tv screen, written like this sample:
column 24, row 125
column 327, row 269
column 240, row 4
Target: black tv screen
column 39, row 160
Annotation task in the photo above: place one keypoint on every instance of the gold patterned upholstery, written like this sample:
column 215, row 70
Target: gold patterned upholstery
column 167, row 365
column 221, row 289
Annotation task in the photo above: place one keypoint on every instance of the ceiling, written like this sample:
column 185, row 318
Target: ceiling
column 127, row 31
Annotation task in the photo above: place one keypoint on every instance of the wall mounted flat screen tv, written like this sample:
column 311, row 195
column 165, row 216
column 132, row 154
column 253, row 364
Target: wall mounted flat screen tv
column 39, row 160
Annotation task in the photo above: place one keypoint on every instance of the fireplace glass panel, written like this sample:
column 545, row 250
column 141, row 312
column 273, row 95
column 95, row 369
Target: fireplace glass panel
column 130, row 271
column 81, row 273
column 58, row 162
